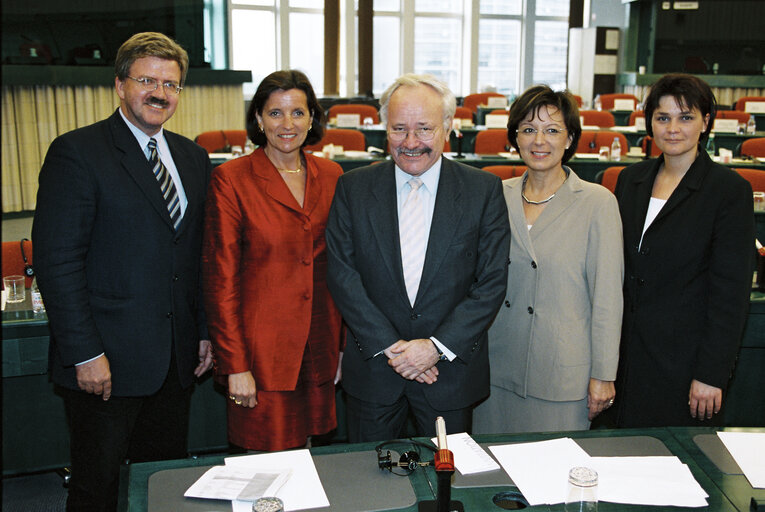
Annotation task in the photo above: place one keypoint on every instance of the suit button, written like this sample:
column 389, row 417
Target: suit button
column 169, row 315
column 531, row 310
column 533, row 264
column 307, row 296
column 306, row 227
column 306, row 261
column 645, row 251
column 177, row 241
column 414, row 316
column 507, row 303
column 641, row 282
column 175, row 277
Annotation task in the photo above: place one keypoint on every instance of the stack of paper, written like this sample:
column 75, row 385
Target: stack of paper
column 540, row 470
column 748, row 449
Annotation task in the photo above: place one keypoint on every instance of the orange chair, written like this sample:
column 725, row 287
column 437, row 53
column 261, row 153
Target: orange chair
column 447, row 147
column 13, row 261
column 472, row 101
column 655, row 151
column 741, row 102
column 506, row 172
column 352, row 140
column 609, row 177
column 491, row 141
column 221, row 140
column 463, row 113
column 578, row 100
column 755, row 177
column 599, row 118
column 635, row 115
column 753, row 147
column 354, row 108
column 741, row 117
column 607, row 100
column 591, row 141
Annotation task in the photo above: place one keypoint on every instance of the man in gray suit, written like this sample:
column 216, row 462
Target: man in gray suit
column 417, row 265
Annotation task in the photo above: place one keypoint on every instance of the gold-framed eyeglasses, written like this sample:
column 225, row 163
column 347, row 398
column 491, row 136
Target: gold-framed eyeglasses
column 423, row 134
column 151, row 84
column 547, row 133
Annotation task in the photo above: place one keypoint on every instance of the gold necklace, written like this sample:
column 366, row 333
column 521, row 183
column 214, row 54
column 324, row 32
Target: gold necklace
column 291, row 171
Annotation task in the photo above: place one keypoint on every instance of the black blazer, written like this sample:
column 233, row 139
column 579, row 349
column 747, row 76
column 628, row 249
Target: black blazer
column 463, row 280
column 686, row 290
column 115, row 276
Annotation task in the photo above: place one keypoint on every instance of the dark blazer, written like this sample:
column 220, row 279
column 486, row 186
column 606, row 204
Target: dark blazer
column 115, row 276
column 686, row 290
column 463, row 280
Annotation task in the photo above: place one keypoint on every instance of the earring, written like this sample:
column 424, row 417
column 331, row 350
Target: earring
column 260, row 127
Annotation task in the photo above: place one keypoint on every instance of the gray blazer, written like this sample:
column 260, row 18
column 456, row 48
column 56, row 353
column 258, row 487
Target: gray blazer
column 561, row 320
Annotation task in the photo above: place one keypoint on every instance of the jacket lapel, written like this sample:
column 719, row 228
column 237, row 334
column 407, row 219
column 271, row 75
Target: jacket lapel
column 274, row 185
column 135, row 163
column 688, row 184
column 564, row 197
column 518, row 224
column 383, row 219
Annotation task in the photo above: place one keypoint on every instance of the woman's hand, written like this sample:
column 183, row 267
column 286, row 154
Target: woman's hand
column 704, row 400
column 241, row 389
column 600, row 396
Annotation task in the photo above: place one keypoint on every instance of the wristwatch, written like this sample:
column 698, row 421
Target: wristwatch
column 441, row 356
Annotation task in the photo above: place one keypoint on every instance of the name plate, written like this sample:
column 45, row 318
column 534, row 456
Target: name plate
column 348, row 120
column 640, row 123
column 496, row 120
column 496, row 102
column 725, row 126
column 624, row 104
column 755, row 107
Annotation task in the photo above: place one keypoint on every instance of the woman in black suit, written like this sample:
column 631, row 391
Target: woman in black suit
column 688, row 249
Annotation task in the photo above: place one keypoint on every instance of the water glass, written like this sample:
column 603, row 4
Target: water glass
column 759, row 201
column 14, row 286
column 582, row 493
column 604, row 153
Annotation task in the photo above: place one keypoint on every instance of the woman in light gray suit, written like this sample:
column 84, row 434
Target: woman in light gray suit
column 554, row 345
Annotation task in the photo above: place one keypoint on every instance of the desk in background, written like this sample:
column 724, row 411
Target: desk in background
column 475, row 492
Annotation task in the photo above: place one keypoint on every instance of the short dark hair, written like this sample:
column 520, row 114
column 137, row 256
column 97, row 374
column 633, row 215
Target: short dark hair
column 689, row 92
column 539, row 96
column 283, row 81
column 149, row 44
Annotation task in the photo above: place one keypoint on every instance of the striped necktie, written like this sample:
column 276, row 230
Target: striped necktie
column 413, row 244
column 166, row 184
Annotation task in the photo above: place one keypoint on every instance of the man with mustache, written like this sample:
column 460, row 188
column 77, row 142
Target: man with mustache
column 117, row 236
column 418, row 251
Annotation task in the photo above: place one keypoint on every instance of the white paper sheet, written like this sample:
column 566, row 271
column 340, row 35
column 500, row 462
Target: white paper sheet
column 469, row 457
column 748, row 449
column 231, row 483
column 656, row 481
column 540, row 470
column 302, row 490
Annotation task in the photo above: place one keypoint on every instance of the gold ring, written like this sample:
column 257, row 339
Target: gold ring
column 238, row 402
column 611, row 402
column 231, row 397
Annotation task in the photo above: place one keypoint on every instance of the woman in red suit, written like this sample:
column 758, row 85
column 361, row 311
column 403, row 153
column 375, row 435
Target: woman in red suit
column 275, row 330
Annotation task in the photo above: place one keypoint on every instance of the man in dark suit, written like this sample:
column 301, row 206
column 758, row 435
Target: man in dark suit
column 418, row 253
column 117, row 236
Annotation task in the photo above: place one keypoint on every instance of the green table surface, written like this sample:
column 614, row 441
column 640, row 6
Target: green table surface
column 135, row 477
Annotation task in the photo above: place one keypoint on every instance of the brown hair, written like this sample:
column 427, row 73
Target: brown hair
column 149, row 44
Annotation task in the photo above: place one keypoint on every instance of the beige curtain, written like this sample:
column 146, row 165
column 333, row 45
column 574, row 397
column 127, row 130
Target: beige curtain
column 33, row 116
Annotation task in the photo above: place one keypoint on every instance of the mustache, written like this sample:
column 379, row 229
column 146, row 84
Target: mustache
column 426, row 150
column 157, row 101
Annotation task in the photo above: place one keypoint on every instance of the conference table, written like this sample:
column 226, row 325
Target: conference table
column 353, row 483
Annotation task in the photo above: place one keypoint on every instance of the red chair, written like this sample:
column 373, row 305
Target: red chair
column 754, row 147
column 655, row 151
column 741, row 117
column 755, row 177
column 741, row 102
column 13, row 261
column 491, row 141
column 607, row 100
column 599, row 118
column 506, row 172
column 351, row 140
column 220, row 141
column 591, row 141
column 472, row 101
column 635, row 115
column 609, row 177
column 447, row 147
column 578, row 100
column 354, row 108
column 463, row 113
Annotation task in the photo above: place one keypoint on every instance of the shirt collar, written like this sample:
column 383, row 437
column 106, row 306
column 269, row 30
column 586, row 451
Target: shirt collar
column 429, row 178
column 141, row 137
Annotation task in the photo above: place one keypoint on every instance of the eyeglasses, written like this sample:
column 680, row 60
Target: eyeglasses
column 151, row 84
column 548, row 133
column 423, row 134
